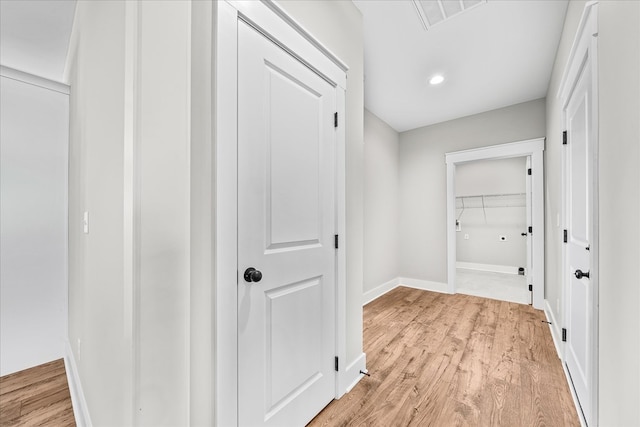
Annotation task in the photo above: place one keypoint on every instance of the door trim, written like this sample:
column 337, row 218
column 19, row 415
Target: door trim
column 583, row 53
column 533, row 148
column 273, row 22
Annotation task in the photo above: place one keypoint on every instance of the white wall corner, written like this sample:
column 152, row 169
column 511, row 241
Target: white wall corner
column 425, row 285
column 352, row 374
column 79, row 403
column 554, row 327
column 377, row 292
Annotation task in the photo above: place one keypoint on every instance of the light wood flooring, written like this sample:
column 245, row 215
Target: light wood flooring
column 36, row 397
column 455, row 360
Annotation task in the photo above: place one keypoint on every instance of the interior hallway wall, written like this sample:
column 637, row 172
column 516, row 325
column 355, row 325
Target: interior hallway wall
column 619, row 206
column 423, row 184
column 338, row 26
column 34, row 136
column 381, row 149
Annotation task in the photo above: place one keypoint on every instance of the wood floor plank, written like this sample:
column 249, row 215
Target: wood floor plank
column 37, row 396
column 454, row 360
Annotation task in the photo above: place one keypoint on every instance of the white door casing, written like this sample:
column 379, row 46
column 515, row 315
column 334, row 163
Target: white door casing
column 534, row 149
column 286, row 228
column 269, row 20
column 578, row 92
column 529, row 238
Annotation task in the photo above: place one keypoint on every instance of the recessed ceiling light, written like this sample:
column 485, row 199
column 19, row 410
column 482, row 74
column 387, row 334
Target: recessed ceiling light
column 436, row 80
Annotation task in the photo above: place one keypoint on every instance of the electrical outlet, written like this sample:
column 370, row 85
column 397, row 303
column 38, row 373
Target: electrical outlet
column 466, row 237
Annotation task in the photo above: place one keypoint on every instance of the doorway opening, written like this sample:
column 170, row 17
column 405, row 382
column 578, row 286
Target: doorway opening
column 492, row 241
column 532, row 150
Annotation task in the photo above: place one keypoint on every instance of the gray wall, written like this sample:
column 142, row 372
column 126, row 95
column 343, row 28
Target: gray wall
column 423, row 187
column 381, row 149
column 485, row 226
column 338, row 25
column 34, row 135
column 619, row 205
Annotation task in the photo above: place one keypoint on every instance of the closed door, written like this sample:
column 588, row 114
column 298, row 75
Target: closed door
column 286, row 227
column 579, row 313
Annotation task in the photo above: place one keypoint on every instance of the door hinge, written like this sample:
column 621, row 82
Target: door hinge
column 566, row 236
column 337, row 364
column 335, row 241
column 530, row 230
column 564, row 137
column 529, row 171
column 335, row 120
column 530, row 288
column 564, row 334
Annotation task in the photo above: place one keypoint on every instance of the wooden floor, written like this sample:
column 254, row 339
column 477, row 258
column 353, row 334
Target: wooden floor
column 36, row 397
column 449, row 360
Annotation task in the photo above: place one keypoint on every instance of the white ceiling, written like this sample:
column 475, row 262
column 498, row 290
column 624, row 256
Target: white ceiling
column 34, row 35
column 494, row 55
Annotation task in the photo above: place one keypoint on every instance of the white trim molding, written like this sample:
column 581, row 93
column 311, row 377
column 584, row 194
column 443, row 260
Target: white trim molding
column 425, row 285
column 533, row 148
column 508, row 269
column 554, row 327
column 78, row 401
column 378, row 291
column 34, row 80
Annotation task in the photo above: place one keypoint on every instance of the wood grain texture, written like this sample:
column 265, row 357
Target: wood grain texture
column 454, row 360
column 37, row 396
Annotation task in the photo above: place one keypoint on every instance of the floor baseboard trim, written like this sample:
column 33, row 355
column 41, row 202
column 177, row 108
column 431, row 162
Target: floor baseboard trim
column 554, row 327
column 377, row 292
column 487, row 267
column 425, row 285
column 353, row 373
column 80, row 408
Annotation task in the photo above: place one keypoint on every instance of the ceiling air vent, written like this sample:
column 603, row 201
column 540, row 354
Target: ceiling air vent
column 432, row 12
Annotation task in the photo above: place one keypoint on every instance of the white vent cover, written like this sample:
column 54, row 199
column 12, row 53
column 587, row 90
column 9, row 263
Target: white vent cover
column 432, row 12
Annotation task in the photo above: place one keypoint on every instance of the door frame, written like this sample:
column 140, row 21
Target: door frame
column 273, row 22
column 583, row 53
column 533, row 148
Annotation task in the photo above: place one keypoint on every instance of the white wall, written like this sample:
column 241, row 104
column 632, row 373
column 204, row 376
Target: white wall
column 381, row 149
column 338, row 26
column 98, row 319
column 130, row 169
column 619, row 206
column 423, row 188
column 485, row 226
column 33, row 224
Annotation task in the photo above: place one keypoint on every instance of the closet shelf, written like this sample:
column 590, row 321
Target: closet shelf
column 481, row 201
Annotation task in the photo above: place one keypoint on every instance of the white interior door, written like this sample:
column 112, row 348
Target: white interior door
column 286, row 227
column 529, row 238
column 579, row 313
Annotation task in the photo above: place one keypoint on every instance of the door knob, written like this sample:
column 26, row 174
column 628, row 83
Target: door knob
column 580, row 274
column 252, row 275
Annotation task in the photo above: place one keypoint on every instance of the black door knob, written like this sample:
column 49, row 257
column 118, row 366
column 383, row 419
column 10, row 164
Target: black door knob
column 252, row 275
column 580, row 274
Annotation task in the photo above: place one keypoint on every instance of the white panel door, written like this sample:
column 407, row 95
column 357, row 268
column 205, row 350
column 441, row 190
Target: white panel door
column 579, row 318
column 286, row 227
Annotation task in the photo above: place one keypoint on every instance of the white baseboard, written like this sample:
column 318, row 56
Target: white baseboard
column 425, row 285
column 80, row 408
column 377, row 292
column 554, row 327
column 487, row 267
column 352, row 374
